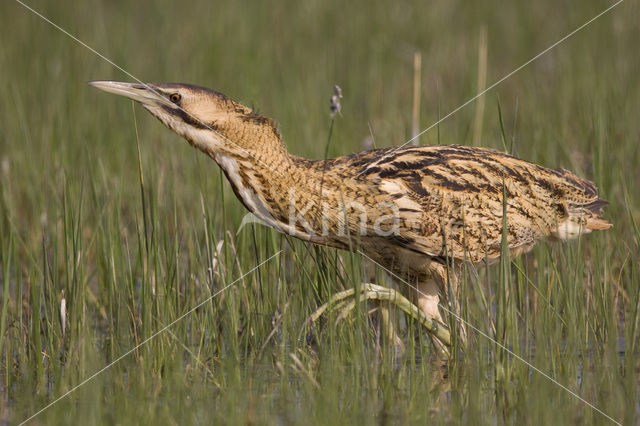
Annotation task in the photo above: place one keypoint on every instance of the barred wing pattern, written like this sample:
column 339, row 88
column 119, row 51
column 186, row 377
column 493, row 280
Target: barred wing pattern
column 451, row 200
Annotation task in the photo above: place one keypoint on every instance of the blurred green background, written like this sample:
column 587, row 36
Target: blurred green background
column 76, row 224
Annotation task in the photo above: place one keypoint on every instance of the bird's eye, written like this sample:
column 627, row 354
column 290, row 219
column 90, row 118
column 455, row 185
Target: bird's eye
column 175, row 97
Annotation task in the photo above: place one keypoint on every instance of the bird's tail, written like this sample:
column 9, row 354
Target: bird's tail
column 582, row 219
column 593, row 219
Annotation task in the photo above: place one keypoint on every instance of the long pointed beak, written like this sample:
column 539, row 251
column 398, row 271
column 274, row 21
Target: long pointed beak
column 146, row 94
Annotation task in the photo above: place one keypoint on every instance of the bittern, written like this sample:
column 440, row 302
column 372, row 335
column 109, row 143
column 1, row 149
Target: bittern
column 412, row 209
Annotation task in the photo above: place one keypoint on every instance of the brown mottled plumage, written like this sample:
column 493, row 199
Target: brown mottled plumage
column 408, row 208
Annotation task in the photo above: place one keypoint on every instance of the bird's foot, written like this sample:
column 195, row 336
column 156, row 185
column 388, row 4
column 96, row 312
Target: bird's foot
column 345, row 301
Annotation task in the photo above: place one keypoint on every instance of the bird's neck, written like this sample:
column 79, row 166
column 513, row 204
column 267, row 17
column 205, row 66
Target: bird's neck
column 250, row 135
column 280, row 189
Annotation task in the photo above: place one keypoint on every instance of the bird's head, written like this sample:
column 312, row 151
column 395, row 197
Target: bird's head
column 209, row 120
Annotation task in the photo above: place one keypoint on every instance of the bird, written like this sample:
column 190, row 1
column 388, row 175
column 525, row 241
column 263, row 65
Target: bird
column 411, row 209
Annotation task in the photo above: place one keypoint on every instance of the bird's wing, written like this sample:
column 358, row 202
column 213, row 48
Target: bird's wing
column 451, row 199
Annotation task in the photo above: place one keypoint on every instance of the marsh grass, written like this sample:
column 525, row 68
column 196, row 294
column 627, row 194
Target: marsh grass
column 104, row 208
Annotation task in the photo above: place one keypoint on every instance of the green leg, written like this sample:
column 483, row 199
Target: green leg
column 340, row 301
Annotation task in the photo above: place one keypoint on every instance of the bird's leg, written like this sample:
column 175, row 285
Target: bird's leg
column 340, row 301
column 447, row 281
column 427, row 295
column 454, row 301
column 389, row 327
